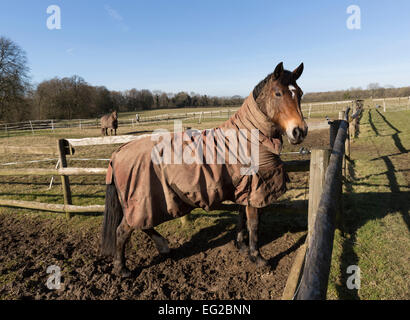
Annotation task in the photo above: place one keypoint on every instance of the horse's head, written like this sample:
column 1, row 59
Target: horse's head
column 278, row 96
column 114, row 115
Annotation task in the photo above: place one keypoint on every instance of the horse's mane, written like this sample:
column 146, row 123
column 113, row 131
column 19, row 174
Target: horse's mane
column 286, row 79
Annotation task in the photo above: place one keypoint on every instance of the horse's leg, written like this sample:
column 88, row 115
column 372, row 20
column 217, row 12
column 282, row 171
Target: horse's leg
column 123, row 234
column 160, row 242
column 241, row 229
column 253, row 217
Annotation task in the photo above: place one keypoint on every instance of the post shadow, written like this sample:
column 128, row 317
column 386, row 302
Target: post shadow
column 382, row 204
column 372, row 123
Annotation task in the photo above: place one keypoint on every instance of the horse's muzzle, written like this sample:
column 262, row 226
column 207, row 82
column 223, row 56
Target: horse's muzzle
column 298, row 135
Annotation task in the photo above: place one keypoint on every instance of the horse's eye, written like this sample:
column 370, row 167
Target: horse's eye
column 278, row 94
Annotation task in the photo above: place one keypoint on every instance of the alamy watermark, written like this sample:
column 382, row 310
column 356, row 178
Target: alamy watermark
column 353, row 22
column 54, row 280
column 211, row 146
column 54, row 20
column 353, row 281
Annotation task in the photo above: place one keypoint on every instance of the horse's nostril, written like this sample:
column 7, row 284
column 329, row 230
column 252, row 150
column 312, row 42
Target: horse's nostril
column 296, row 133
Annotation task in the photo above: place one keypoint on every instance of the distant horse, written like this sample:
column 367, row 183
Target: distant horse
column 109, row 121
column 142, row 192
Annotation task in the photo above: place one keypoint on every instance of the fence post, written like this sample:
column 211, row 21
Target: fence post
column 63, row 149
column 408, row 104
column 384, row 105
column 334, row 126
column 310, row 109
column 319, row 161
column 31, row 125
column 347, row 145
column 315, row 276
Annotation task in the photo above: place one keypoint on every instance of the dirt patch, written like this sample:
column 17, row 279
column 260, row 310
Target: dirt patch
column 196, row 269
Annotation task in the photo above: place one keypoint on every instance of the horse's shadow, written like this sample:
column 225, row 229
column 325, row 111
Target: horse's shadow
column 139, row 131
column 273, row 225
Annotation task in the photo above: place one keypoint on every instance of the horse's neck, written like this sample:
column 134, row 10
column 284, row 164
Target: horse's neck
column 250, row 117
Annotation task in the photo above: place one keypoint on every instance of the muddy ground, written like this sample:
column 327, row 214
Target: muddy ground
column 203, row 264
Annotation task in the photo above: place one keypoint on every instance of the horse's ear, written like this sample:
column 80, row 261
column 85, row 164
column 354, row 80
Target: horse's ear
column 278, row 70
column 298, row 72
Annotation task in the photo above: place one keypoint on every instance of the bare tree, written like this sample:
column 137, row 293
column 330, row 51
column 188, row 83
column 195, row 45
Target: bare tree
column 14, row 79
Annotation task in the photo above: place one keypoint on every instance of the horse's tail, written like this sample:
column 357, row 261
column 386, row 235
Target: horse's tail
column 112, row 218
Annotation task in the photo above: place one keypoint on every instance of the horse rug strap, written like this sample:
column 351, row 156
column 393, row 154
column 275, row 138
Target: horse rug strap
column 151, row 193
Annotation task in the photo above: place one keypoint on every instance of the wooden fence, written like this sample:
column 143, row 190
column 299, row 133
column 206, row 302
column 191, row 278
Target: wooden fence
column 66, row 147
column 308, row 278
column 309, row 109
column 34, row 126
column 309, row 274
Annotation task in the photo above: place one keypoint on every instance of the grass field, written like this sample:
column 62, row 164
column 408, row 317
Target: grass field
column 376, row 206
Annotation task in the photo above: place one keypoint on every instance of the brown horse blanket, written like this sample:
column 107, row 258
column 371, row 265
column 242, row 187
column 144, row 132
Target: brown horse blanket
column 165, row 176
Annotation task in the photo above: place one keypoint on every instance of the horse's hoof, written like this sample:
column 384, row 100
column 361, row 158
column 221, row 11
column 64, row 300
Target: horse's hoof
column 258, row 260
column 122, row 272
column 261, row 262
column 125, row 273
column 170, row 254
column 243, row 248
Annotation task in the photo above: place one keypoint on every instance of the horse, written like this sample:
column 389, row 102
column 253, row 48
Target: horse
column 109, row 121
column 142, row 192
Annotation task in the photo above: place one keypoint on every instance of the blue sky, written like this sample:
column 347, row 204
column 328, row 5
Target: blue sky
column 214, row 47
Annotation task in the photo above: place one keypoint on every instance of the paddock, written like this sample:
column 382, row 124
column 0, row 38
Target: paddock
column 205, row 264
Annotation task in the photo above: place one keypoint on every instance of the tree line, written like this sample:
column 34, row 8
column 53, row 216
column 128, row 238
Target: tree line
column 373, row 90
column 72, row 97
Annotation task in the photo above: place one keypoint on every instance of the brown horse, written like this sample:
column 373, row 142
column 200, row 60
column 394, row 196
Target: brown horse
column 142, row 193
column 109, row 121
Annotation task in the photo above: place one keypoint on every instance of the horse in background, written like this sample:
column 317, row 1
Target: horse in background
column 109, row 121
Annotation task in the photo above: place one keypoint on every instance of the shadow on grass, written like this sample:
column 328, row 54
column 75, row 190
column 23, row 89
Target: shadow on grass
column 366, row 207
column 372, row 123
column 363, row 207
column 139, row 131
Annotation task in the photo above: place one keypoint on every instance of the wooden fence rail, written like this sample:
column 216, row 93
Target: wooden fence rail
column 316, row 270
column 50, row 206
column 67, row 171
